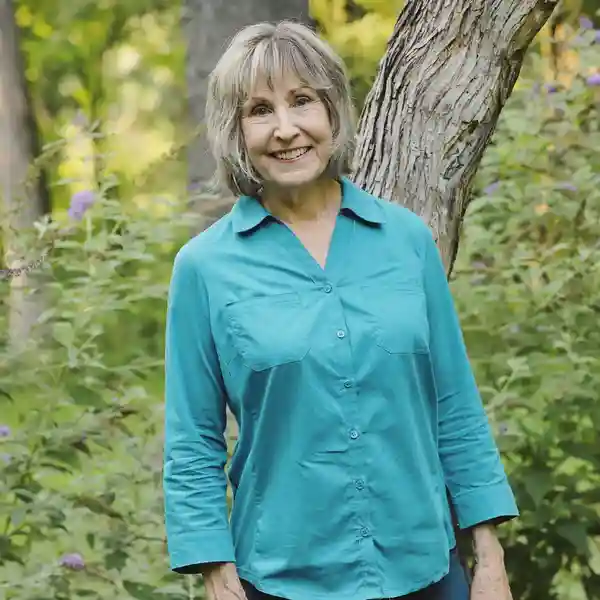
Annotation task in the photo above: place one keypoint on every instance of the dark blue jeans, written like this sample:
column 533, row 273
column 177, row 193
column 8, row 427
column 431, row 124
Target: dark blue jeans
column 455, row 586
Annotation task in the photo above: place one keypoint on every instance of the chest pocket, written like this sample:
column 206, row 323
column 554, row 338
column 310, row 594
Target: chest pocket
column 268, row 331
column 397, row 315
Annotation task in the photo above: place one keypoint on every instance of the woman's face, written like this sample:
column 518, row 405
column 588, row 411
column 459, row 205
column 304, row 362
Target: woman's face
column 287, row 133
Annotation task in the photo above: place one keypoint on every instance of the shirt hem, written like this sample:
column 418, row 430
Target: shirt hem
column 386, row 592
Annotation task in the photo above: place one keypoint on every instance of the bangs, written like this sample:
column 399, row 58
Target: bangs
column 274, row 59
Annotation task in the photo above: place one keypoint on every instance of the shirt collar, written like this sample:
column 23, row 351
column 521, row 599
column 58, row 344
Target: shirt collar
column 248, row 213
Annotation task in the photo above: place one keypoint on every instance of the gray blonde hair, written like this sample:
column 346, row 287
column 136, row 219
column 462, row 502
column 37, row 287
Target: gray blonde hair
column 270, row 50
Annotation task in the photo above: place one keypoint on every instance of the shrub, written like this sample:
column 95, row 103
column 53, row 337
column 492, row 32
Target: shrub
column 80, row 480
column 528, row 288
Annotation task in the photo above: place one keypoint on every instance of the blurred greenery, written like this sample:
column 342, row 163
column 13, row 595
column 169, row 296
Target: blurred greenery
column 81, row 412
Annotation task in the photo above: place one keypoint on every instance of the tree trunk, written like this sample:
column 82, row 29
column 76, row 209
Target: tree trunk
column 25, row 196
column 208, row 27
column 448, row 70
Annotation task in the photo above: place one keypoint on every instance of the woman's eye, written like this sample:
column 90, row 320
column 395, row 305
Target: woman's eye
column 302, row 100
column 260, row 110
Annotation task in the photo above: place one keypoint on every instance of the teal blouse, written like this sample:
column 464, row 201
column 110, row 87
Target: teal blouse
column 356, row 404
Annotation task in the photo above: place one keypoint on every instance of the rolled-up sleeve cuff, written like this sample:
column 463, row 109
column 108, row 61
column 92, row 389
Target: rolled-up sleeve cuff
column 188, row 551
column 485, row 504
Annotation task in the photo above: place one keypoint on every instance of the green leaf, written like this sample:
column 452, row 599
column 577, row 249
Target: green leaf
column 538, row 484
column 63, row 333
column 140, row 591
column 96, row 505
column 117, row 559
column 91, row 540
column 8, row 552
column 84, row 396
column 576, row 534
column 6, row 395
column 64, row 459
column 57, row 519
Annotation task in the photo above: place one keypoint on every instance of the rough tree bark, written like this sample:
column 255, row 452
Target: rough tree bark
column 449, row 68
column 25, row 199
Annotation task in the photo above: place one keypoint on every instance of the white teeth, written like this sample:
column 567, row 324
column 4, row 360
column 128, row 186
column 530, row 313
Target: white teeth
column 291, row 154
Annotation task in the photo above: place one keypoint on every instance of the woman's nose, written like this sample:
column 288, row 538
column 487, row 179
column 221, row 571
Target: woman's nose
column 285, row 127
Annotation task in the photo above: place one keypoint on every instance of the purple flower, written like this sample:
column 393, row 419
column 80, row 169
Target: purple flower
column 4, row 431
column 593, row 79
column 566, row 185
column 73, row 561
column 490, row 189
column 597, row 38
column 551, row 88
column 80, row 202
column 80, row 119
column 585, row 23
column 5, row 458
column 503, row 429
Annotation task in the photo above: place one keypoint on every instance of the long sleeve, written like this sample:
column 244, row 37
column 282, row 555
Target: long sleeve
column 473, row 471
column 194, row 480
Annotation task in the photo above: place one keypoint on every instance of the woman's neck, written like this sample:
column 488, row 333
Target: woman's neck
column 314, row 202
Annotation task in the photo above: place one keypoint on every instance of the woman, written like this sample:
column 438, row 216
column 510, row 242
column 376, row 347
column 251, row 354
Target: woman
column 322, row 317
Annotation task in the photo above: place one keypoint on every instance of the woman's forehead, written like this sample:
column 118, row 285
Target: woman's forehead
column 282, row 83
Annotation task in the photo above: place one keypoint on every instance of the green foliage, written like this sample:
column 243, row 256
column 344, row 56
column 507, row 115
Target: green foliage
column 359, row 31
column 80, row 493
column 528, row 287
column 104, row 66
column 81, row 414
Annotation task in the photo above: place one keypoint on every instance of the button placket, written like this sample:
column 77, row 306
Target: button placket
column 348, row 387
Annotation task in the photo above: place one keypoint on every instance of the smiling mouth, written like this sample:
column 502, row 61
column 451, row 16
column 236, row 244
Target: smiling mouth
column 290, row 155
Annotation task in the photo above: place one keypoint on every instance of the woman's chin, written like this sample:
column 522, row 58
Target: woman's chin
column 295, row 178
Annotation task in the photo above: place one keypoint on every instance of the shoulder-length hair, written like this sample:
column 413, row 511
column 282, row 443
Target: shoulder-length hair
column 267, row 50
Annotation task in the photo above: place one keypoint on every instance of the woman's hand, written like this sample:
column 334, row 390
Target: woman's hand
column 221, row 582
column 490, row 581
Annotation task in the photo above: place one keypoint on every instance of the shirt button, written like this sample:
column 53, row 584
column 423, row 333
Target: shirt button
column 354, row 434
column 347, row 383
column 327, row 289
column 341, row 334
column 364, row 532
column 360, row 484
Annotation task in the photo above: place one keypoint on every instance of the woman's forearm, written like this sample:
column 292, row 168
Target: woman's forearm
column 486, row 545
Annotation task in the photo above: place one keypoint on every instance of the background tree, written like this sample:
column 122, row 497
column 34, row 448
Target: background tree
column 24, row 193
column 208, row 27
